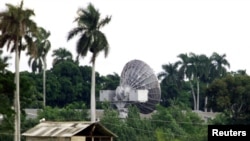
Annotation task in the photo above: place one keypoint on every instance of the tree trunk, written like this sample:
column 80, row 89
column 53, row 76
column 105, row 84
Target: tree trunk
column 92, row 97
column 205, row 105
column 16, row 97
column 205, row 108
column 44, row 82
column 198, row 95
column 192, row 91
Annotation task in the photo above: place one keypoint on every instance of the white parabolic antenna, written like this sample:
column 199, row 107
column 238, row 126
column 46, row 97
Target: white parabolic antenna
column 138, row 85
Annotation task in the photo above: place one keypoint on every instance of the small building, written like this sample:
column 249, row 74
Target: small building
column 69, row 131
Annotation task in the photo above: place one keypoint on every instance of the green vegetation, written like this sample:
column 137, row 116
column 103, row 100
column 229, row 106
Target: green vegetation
column 65, row 92
column 172, row 123
column 68, row 90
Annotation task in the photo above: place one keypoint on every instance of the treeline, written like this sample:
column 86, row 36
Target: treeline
column 194, row 83
column 68, row 83
column 204, row 83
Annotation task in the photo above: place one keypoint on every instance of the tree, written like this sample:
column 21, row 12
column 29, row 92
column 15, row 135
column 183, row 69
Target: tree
column 53, row 89
column 16, row 25
column 186, row 70
column 60, row 55
column 110, row 82
column 197, row 69
column 7, row 87
column 70, row 80
column 91, row 39
column 178, row 123
column 220, row 64
column 170, row 82
column 38, row 62
column 231, row 94
column 170, row 73
column 200, row 69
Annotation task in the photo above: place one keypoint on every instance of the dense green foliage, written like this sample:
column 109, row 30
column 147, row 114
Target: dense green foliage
column 68, row 89
column 172, row 123
column 194, row 83
column 231, row 95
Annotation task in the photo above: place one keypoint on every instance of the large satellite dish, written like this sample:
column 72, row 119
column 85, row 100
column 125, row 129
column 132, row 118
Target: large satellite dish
column 138, row 85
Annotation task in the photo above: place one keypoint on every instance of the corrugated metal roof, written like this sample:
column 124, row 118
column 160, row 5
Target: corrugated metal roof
column 59, row 129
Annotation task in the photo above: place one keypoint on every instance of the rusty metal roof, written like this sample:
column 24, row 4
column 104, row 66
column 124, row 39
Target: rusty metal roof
column 61, row 129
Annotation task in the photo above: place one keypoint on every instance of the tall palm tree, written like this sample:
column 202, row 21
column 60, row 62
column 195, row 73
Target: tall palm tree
column 195, row 68
column 17, row 26
column 38, row 62
column 186, row 70
column 205, row 74
column 201, row 64
column 60, row 55
column 91, row 39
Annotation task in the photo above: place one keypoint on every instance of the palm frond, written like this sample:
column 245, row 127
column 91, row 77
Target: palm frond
column 30, row 61
column 104, row 21
column 88, row 17
column 99, row 43
column 74, row 32
column 47, row 46
column 3, row 40
column 32, row 48
column 15, row 24
column 161, row 75
column 40, row 65
column 34, row 65
column 92, row 39
column 83, row 44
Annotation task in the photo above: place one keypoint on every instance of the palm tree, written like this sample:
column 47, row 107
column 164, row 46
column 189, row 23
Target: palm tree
column 202, row 65
column 170, row 82
column 16, row 26
column 60, row 55
column 91, row 39
column 38, row 62
column 205, row 76
column 220, row 64
column 186, row 70
column 196, row 73
column 170, row 73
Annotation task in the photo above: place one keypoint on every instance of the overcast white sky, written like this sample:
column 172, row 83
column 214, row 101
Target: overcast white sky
column 154, row 31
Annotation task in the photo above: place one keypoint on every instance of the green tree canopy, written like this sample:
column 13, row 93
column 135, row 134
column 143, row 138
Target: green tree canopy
column 231, row 95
